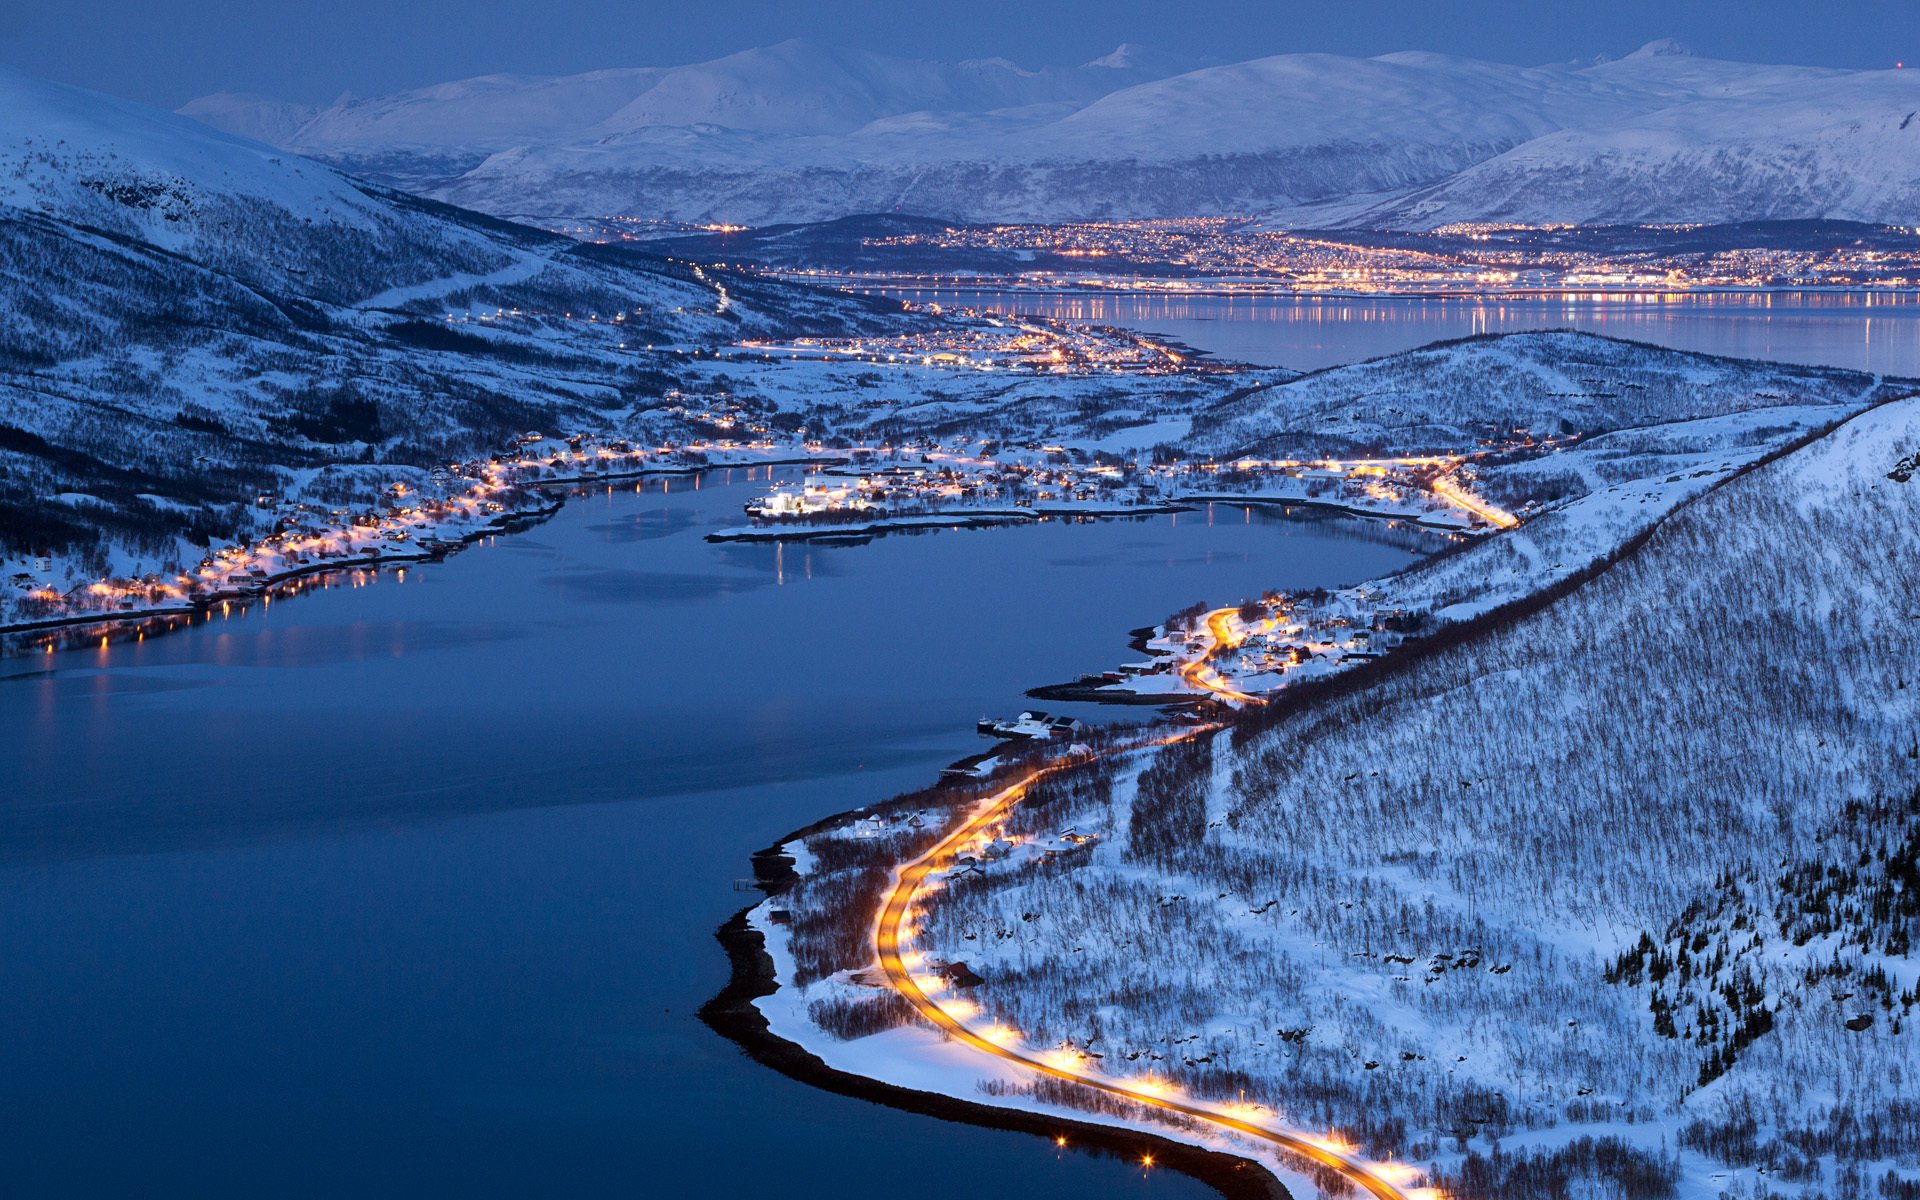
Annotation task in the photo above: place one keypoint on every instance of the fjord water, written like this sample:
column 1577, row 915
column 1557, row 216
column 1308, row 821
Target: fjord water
column 1878, row 332
column 403, row 888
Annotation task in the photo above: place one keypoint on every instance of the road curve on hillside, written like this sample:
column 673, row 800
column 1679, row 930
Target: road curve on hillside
column 1199, row 672
column 889, row 936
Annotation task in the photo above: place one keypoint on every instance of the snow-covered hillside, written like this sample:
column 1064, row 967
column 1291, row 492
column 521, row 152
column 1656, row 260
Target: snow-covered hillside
column 192, row 319
column 1636, row 867
column 80, row 165
column 802, row 131
column 202, row 333
column 1459, row 395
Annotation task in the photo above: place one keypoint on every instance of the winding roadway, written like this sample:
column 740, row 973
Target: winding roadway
column 1199, row 672
column 894, row 930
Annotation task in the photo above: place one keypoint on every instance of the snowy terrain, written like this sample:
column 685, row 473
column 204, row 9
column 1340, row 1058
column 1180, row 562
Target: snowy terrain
column 198, row 326
column 1611, row 900
column 1465, row 394
column 1635, row 867
column 802, row 131
column 204, row 331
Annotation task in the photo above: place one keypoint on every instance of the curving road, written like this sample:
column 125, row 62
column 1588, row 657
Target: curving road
column 1199, row 672
column 894, row 929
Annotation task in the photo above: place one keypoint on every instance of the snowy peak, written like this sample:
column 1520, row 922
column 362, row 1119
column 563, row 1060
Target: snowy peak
column 486, row 112
column 801, row 87
column 92, row 159
column 1662, row 48
column 1832, row 144
column 1144, row 62
column 795, row 88
column 805, row 131
column 251, row 115
column 1120, row 58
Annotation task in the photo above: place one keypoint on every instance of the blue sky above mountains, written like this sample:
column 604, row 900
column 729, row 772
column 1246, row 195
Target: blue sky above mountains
column 309, row 51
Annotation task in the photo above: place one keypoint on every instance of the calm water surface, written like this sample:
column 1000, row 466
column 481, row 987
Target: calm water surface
column 408, row 888
column 1877, row 332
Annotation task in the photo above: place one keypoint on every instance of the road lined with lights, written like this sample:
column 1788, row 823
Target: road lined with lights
column 1199, row 673
column 893, row 930
column 1450, row 490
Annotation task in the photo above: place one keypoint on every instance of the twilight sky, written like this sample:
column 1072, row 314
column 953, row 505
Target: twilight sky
column 169, row 51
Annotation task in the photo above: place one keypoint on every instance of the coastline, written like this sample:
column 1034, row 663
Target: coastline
column 433, row 547
column 1346, row 510
column 273, row 583
column 1259, row 287
column 733, row 1015
column 444, row 545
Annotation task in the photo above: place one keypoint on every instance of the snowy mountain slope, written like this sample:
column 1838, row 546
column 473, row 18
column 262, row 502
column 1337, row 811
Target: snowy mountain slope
column 280, row 223
column 189, row 317
column 250, row 115
column 807, row 132
column 1288, row 129
column 1843, row 147
column 1632, row 867
column 795, row 88
column 1454, row 395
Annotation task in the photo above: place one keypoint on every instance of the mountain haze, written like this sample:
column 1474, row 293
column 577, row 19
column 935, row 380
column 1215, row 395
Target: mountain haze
column 802, row 131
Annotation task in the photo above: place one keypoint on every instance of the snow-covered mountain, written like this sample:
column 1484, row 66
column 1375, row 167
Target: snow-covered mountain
column 794, row 90
column 801, row 131
column 1458, row 395
column 188, row 318
column 251, row 115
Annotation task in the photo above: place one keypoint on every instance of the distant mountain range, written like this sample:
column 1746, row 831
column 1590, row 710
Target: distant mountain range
column 804, row 132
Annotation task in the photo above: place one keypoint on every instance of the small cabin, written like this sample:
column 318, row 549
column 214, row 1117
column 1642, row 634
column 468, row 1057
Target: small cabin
column 960, row 975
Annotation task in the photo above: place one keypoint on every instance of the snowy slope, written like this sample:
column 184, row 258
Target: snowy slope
column 1453, row 395
column 1842, row 147
column 91, row 158
column 1635, row 867
column 802, row 131
column 796, row 87
column 189, row 317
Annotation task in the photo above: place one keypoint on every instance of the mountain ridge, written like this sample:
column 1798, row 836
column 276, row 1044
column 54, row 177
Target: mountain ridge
column 803, row 131
column 194, row 319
